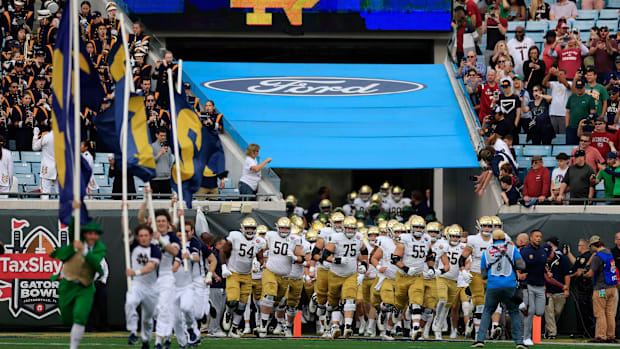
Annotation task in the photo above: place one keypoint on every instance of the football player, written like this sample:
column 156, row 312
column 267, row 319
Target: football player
column 323, row 266
column 243, row 246
column 257, row 287
column 325, row 209
column 365, row 283
column 385, row 190
column 284, row 250
column 437, row 247
column 292, row 208
column 411, row 254
column 362, row 202
column 344, row 250
column 145, row 257
column 396, row 203
column 296, row 281
column 349, row 207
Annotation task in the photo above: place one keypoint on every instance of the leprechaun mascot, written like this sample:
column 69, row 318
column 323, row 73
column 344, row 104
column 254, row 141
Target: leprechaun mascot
column 81, row 260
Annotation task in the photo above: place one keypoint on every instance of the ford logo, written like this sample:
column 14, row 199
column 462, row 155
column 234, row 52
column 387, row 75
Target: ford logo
column 312, row 86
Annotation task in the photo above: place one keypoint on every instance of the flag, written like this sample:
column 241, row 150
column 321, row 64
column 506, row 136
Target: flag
column 62, row 118
column 202, row 226
column 140, row 158
column 197, row 145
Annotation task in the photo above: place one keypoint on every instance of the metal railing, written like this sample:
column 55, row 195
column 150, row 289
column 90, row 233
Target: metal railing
column 140, row 196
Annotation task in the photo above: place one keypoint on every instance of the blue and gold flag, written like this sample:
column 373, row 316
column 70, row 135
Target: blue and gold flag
column 62, row 117
column 197, row 146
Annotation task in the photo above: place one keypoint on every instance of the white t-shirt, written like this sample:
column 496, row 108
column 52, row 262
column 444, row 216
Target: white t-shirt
column 248, row 176
column 558, row 175
column 518, row 50
column 560, row 94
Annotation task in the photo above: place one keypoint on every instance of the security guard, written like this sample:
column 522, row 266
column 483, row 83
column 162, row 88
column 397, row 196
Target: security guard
column 581, row 288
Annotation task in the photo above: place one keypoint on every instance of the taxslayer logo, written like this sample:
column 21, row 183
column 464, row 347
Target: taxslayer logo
column 26, row 267
column 314, row 86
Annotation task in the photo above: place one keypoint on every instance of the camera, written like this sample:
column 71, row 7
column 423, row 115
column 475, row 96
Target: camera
column 495, row 93
column 163, row 144
column 473, row 178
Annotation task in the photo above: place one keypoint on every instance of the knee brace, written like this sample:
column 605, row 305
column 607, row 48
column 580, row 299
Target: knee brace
column 268, row 300
column 240, row 308
column 415, row 309
column 467, row 308
column 427, row 315
column 282, row 305
column 321, row 310
column 232, row 305
column 331, row 309
column 479, row 310
column 349, row 305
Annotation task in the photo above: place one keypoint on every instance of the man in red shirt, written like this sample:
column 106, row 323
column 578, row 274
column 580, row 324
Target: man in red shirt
column 593, row 157
column 485, row 91
column 472, row 12
column 569, row 55
column 537, row 183
column 602, row 140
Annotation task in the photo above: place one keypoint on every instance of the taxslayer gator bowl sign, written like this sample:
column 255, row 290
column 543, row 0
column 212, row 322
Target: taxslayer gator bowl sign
column 26, row 267
column 314, row 86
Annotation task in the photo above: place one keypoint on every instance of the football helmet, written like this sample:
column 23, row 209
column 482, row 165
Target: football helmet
column 434, row 230
column 323, row 218
column 248, row 227
column 311, row 235
column 376, row 199
column 397, row 193
column 418, row 224
column 485, row 225
column 365, row 193
column 497, row 222
column 360, row 225
column 384, row 189
column 453, row 234
column 407, row 226
column 339, row 209
column 398, row 229
column 351, row 197
column 499, row 234
column 291, row 199
column 325, row 206
column 295, row 230
column 374, row 208
column 363, row 231
column 391, row 223
column 360, row 215
column 283, row 226
column 336, row 220
column 317, row 225
column 350, row 226
column 298, row 221
column 261, row 230
column 382, row 226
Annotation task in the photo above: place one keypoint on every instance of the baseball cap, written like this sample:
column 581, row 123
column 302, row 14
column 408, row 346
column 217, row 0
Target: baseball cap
column 506, row 83
column 612, row 155
column 617, row 59
column 536, row 158
column 580, row 83
column 579, row 153
column 187, row 85
column 554, row 240
column 594, row 239
column 548, row 248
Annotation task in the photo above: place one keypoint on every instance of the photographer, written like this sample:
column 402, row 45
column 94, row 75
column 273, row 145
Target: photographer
column 602, row 140
column 499, row 265
column 578, row 107
column 472, row 80
column 161, row 75
column 156, row 117
column 211, row 119
column 163, row 161
column 487, row 92
column 540, row 129
column 495, row 27
column 570, row 53
column 22, row 119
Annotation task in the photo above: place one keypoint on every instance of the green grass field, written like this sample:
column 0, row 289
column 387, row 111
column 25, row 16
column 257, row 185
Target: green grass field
column 119, row 340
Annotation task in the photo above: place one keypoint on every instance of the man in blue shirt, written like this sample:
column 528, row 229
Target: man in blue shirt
column 535, row 257
column 498, row 266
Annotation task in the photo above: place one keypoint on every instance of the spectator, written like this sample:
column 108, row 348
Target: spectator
column 192, row 100
column 602, row 140
column 560, row 92
column 534, row 68
column 557, row 175
column 537, row 183
column 578, row 107
column 158, row 118
column 593, row 157
column 498, row 124
column 138, row 41
column 495, row 27
column 472, row 80
column 510, row 194
column 596, row 90
column 563, row 9
column 208, row 185
column 581, row 288
column 500, row 50
column 6, row 169
column 88, row 152
column 609, row 179
column 569, row 54
column 539, row 10
column 603, row 50
column 251, row 175
column 559, row 267
column 616, row 252
column 323, row 193
column 500, row 144
column 578, row 177
column 535, row 263
column 605, row 295
column 487, row 93
column 211, row 119
column 22, row 119
column 117, row 185
column 163, row 164
column 419, row 206
column 45, row 144
column 471, row 8
column 463, row 28
column 510, row 105
column 519, row 47
column 493, row 160
column 612, row 111
column 517, row 10
column 540, row 130
column 470, row 63
column 592, row 4
column 161, row 75
column 550, row 38
column 505, row 69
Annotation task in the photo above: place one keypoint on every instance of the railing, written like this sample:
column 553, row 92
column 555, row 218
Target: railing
column 140, row 196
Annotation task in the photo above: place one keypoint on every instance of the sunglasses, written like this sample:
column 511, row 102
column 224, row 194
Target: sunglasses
column 150, row 100
column 471, row 56
column 599, row 123
column 604, row 30
column 584, row 141
column 501, row 61
column 520, row 31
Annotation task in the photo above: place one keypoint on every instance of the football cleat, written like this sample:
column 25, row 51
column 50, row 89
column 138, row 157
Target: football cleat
column 348, row 331
column 247, row 330
column 478, row 345
column 234, row 333
column 416, row 334
column 288, row 332
column 133, row 339
column 371, row 332
column 386, row 337
column 453, row 333
column 335, row 332
column 226, row 322
column 438, row 335
column 496, row 333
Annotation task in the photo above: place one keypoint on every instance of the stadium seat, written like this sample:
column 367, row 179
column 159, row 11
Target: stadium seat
column 15, row 155
column 583, row 15
column 103, row 158
column 554, row 24
column 608, row 14
column 522, row 138
column 138, row 182
column 537, row 36
column 538, row 26
column 559, row 138
column 542, row 150
column 26, row 179
column 31, row 188
column 509, row 35
column 98, row 169
column 31, row 156
column 105, row 189
column 36, row 167
column 512, row 26
column 557, row 149
column 550, row 161
column 524, row 162
column 518, row 150
column 585, row 36
column 611, row 24
column 22, row 168
column 102, row 180
column 584, row 26
column 613, row 4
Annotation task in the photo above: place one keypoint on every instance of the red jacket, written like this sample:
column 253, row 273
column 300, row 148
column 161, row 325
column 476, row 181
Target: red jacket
column 537, row 183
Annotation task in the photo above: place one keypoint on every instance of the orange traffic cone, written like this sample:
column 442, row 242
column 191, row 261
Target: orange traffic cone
column 297, row 325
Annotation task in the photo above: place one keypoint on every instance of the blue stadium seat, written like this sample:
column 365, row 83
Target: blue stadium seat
column 103, row 158
column 537, row 36
column 102, row 180
column 105, row 189
column 98, row 169
column 522, row 138
column 138, row 182
column 560, row 138
column 31, row 156
column 585, row 36
column 36, row 167
column 613, row 3
column 538, row 26
column 518, row 150
column 608, row 14
column 509, row 35
column 26, row 179
column 550, row 161
column 229, row 191
column 583, row 15
column 512, row 26
column 542, row 150
column 524, row 163
column 557, row 149
column 611, row 24
column 584, row 26
column 22, row 168
column 31, row 188
column 553, row 25
column 16, row 156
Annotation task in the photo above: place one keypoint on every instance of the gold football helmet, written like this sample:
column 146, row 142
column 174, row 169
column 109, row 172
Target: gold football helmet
column 485, row 225
column 248, row 227
column 376, row 199
column 298, row 221
column 398, row 229
column 365, row 193
column 317, row 225
column 283, row 226
column 291, row 199
column 337, row 220
column 407, row 226
column 384, row 189
column 418, row 224
column 382, row 226
column 364, row 232
column 261, row 230
column 453, row 234
column 397, row 193
column 499, row 234
column 497, row 222
column 391, row 224
column 360, row 225
column 350, row 226
column 295, row 230
column 325, row 206
column 434, row 230
column 351, row 197
column 311, row 235
column 339, row 209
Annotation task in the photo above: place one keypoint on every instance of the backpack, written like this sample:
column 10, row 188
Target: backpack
column 610, row 272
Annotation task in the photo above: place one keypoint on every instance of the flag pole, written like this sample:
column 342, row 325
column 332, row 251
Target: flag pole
column 124, row 129
column 149, row 204
column 77, row 155
column 177, row 158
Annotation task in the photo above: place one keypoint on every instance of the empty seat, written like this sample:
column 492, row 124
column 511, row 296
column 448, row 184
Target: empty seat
column 537, row 36
column 36, row 167
column 102, row 180
column 613, row 4
column 26, row 179
column 583, row 26
column 557, row 149
column 587, row 14
column 31, row 156
column 585, row 36
column 138, row 182
column 98, row 169
column 538, row 26
column 522, row 138
column 105, row 189
column 512, row 26
column 31, row 188
column 611, row 24
column 608, row 14
column 103, row 158
column 16, row 156
column 22, row 168
column 518, row 150
column 524, row 162
column 549, row 161
column 560, row 138
column 542, row 150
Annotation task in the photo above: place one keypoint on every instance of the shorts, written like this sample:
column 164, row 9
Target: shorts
column 274, row 285
column 341, row 288
column 363, row 290
column 446, row 291
column 409, row 290
column 477, row 288
column 320, row 285
column 257, row 288
column 293, row 292
column 238, row 287
column 461, row 296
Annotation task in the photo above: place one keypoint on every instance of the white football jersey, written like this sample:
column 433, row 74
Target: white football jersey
column 438, row 248
column 141, row 256
column 299, row 211
column 453, row 253
column 394, row 208
column 297, row 270
column 256, row 265
column 346, row 248
column 478, row 246
column 349, row 210
column 360, row 205
column 371, row 268
column 325, row 234
column 280, row 249
column 243, row 252
column 415, row 251
column 167, row 259
column 387, row 246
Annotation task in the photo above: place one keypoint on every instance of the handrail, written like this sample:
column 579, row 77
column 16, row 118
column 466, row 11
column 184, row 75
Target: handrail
column 133, row 196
